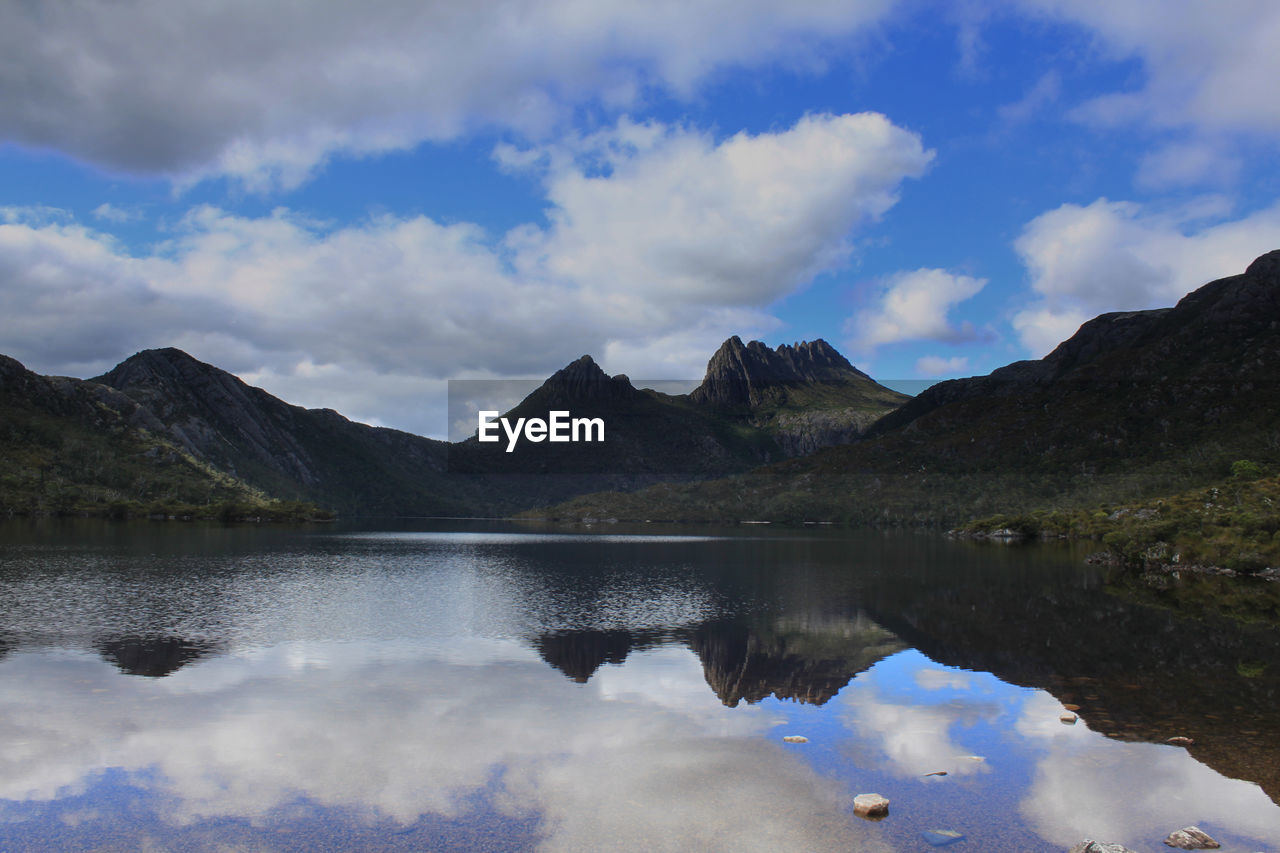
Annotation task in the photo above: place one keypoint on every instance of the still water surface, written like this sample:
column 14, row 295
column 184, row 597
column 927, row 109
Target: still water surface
column 502, row 687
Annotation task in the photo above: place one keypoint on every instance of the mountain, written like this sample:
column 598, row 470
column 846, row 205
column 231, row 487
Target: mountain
column 249, row 445
column 805, row 396
column 288, row 451
column 754, row 405
column 646, row 434
column 1134, row 404
column 71, row 445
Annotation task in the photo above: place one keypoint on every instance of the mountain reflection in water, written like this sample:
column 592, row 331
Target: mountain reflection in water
column 500, row 688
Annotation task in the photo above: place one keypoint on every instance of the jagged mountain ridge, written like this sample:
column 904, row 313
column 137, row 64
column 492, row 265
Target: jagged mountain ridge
column 271, row 448
column 1133, row 405
column 751, row 374
column 805, row 396
column 647, row 434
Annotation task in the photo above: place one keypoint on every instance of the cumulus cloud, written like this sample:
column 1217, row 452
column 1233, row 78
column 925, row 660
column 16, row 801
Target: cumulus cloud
column 936, row 365
column 266, row 90
column 1119, row 256
column 1187, row 163
column 741, row 222
column 1204, row 62
column 108, row 212
column 915, row 305
column 660, row 243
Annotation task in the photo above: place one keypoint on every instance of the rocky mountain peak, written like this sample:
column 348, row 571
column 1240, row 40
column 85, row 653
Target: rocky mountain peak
column 740, row 374
column 584, row 381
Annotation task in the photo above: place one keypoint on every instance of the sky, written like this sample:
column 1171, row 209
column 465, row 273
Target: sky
column 350, row 204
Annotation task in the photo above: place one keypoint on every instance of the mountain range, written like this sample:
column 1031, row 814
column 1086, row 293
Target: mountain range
column 164, row 428
column 1132, row 404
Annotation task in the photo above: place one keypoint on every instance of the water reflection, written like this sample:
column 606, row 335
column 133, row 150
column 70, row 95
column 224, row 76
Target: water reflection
column 520, row 692
column 153, row 657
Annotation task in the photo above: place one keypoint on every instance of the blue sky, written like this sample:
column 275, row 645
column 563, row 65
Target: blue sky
column 350, row 204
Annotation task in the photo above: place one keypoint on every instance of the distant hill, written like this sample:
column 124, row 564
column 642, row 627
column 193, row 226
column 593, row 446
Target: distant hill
column 1133, row 404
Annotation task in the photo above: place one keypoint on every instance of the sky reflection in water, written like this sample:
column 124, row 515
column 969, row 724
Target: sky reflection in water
column 464, row 700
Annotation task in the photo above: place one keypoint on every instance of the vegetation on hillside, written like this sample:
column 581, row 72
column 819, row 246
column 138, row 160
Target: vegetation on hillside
column 57, row 465
column 1232, row 524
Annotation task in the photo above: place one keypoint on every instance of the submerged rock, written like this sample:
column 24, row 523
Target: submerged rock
column 1180, row 741
column 870, row 805
column 795, row 739
column 1091, row 846
column 941, row 837
column 1191, row 838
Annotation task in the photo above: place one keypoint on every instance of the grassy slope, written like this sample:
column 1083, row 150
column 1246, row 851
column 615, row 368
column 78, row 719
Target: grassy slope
column 55, row 464
column 1233, row 524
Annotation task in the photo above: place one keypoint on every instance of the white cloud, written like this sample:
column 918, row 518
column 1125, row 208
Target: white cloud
column 936, row 365
column 266, row 90
column 661, row 243
column 1187, row 163
column 681, row 218
column 1044, row 93
column 1118, row 256
column 108, row 212
column 1203, row 62
column 914, row 306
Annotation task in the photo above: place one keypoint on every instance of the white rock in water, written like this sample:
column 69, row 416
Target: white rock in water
column 795, row 739
column 1068, row 718
column 870, row 805
column 1191, row 838
column 1091, row 846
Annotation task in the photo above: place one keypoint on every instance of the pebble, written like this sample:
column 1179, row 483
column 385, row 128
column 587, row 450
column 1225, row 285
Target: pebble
column 870, row 805
column 1091, row 846
column 1180, row 741
column 937, row 773
column 1068, row 718
column 795, row 739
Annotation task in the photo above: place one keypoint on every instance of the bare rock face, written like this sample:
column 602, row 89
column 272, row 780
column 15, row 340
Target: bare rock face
column 1191, row 838
column 583, row 381
column 1091, row 846
column 807, row 395
column 748, row 374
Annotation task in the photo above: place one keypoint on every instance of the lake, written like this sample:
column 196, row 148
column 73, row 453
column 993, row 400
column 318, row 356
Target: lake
column 497, row 686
